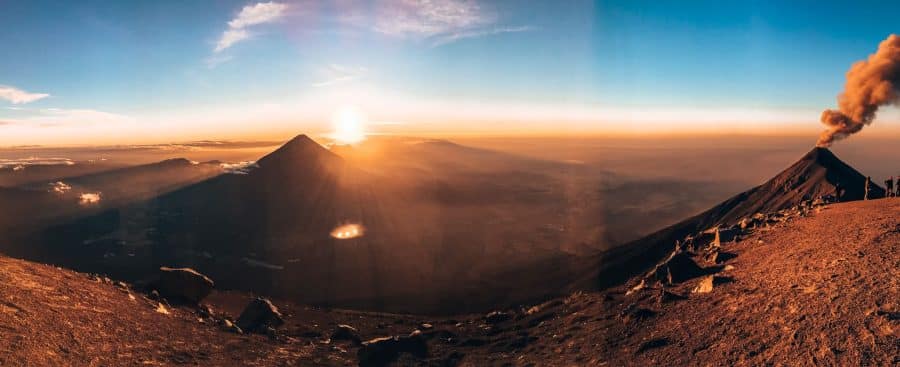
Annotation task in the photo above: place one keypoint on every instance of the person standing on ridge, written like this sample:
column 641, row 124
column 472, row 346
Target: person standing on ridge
column 889, row 187
column 868, row 186
column 898, row 187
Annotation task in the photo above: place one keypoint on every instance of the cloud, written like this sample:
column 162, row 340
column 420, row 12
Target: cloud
column 35, row 161
column 231, row 37
column 59, row 187
column 18, row 96
column 89, row 198
column 437, row 22
column 336, row 74
column 412, row 18
column 250, row 15
column 453, row 37
column 258, row 14
column 216, row 60
column 239, row 168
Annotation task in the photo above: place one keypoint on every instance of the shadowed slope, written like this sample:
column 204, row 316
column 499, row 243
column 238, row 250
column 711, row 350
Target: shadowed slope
column 813, row 176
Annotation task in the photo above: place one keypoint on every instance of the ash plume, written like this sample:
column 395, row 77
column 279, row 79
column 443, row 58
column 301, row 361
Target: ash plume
column 870, row 84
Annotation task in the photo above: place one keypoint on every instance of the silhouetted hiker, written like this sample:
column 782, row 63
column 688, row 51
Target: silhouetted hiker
column 868, row 187
column 889, row 184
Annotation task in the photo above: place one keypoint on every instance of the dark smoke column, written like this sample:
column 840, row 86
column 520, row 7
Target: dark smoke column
column 870, row 84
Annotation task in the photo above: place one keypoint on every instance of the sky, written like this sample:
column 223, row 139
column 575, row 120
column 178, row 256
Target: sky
column 100, row 72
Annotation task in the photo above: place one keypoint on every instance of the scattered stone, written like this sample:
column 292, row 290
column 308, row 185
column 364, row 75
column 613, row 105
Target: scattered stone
column 345, row 332
column 637, row 288
column 161, row 308
column 383, row 351
column 271, row 333
column 718, row 257
column 259, row 314
column 205, row 311
column 496, row 317
column 705, row 285
column 425, row 326
column 230, row 326
column 708, row 282
column 665, row 296
column 634, row 314
column 652, row 344
column 183, row 284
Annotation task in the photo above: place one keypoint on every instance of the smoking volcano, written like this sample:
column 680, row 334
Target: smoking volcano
column 870, row 84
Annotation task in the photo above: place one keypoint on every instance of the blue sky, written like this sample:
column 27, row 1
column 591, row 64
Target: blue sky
column 118, row 71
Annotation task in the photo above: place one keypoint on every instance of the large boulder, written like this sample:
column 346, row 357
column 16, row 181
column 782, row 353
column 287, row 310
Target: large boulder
column 382, row 351
column 259, row 316
column 183, row 284
column 345, row 332
column 676, row 269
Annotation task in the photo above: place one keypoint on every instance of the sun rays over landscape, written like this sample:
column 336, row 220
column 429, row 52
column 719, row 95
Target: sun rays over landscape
column 449, row 183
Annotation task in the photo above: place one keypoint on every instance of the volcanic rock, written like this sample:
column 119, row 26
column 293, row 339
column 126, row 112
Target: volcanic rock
column 496, row 317
column 345, row 332
column 705, row 285
column 259, row 314
column 665, row 296
column 382, row 351
column 183, row 284
column 676, row 269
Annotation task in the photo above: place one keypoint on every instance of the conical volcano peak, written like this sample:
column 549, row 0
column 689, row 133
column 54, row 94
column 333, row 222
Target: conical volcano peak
column 301, row 147
column 821, row 154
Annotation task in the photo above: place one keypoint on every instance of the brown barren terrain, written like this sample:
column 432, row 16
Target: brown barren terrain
column 817, row 290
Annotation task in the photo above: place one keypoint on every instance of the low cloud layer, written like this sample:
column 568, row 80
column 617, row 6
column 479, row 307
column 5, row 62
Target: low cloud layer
column 239, row 168
column 34, row 161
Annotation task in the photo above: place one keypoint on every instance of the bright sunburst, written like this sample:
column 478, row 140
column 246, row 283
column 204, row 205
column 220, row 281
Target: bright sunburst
column 349, row 126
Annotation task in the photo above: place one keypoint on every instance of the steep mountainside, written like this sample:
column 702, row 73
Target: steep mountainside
column 819, row 289
column 813, row 176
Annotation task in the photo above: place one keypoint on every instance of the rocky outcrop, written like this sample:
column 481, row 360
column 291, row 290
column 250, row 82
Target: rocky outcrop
column 260, row 316
column 676, row 269
column 382, row 351
column 183, row 285
column 345, row 332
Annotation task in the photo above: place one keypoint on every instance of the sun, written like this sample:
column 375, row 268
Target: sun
column 349, row 126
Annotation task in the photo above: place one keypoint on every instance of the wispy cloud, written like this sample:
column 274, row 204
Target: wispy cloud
column 216, row 60
column 437, row 22
column 475, row 33
column 18, row 96
column 336, row 74
column 250, row 15
column 413, row 18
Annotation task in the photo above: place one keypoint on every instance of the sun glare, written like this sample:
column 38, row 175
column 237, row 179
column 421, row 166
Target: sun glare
column 347, row 231
column 349, row 126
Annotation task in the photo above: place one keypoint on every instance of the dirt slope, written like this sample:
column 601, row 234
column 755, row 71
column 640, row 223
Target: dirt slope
column 817, row 290
column 56, row 317
column 820, row 290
